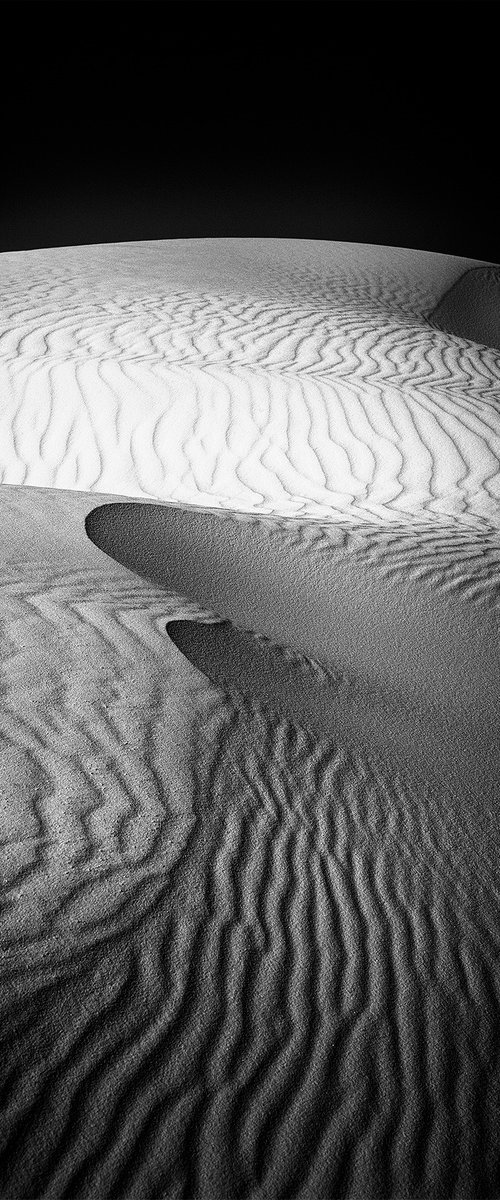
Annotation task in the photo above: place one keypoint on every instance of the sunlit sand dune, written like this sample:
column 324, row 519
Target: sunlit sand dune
column 287, row 377
column 249, row 784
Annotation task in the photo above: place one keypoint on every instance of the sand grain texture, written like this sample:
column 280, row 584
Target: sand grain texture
column 249, row 836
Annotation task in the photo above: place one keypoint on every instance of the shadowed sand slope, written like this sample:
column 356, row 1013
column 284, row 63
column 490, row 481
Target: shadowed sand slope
column 239, row 957
column 471, row 308
column 421, row 667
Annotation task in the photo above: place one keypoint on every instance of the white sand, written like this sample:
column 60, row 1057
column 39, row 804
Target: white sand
column 286, row 377
column 249, row 923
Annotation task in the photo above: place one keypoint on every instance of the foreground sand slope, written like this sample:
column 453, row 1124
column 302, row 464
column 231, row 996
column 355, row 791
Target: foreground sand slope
column 237, row 957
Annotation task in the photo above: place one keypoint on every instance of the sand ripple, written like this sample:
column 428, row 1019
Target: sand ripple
column 249, row 880
column 318, row 387
column 239, row 958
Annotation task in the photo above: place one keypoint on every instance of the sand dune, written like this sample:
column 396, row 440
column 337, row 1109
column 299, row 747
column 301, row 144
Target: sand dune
column 288, row 377
column 249, row 782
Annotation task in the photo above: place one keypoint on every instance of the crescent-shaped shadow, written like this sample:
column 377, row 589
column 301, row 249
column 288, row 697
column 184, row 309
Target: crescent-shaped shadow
column 421, row 674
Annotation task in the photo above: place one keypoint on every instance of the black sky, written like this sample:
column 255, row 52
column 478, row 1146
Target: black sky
column 363, row 120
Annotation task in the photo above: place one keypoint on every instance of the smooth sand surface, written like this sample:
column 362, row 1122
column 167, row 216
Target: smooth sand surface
column 249, row 779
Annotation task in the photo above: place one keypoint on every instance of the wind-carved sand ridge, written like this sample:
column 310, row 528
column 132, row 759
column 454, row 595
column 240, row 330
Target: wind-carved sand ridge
column 248, row 759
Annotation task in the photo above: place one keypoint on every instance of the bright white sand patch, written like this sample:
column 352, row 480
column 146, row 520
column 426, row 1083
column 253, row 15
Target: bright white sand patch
column 282, row 377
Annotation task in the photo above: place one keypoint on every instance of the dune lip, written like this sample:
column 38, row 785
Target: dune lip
column 266, row 578
column 471, row 307
column 421, row 675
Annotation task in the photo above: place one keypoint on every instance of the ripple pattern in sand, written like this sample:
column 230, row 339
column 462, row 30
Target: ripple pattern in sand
column 329, row 395
column 237, row 959
column 285, row 979
column 310, row 1009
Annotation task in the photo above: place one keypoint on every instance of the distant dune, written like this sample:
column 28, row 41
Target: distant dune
column 249, row 767
column 288, row 377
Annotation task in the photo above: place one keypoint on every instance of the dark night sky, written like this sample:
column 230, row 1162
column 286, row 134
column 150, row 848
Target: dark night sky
column 367, row 121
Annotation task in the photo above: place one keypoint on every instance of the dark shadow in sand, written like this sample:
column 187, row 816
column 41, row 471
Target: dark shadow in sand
column 243, row 665
column 423, row 673
column 263, row 675
column 471, row 308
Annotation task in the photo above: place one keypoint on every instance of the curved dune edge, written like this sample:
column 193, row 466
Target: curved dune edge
column 422, row 672
column 471, row 308
column 365, row 721
column 291, row 584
